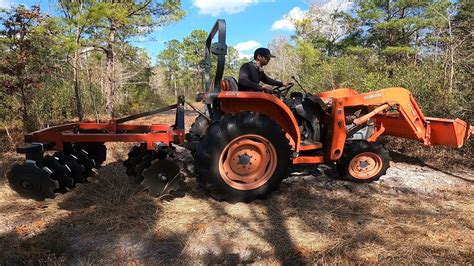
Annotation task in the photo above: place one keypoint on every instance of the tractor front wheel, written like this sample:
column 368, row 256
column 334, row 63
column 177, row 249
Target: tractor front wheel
column 242, row 157
column 363, row 162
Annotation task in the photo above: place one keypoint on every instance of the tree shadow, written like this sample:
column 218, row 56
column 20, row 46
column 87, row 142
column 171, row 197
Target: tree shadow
column 101, row 219
column 110, row 220
column 399, row 157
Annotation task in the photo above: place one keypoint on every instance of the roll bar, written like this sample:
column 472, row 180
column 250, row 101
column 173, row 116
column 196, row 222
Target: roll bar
column 219, row 49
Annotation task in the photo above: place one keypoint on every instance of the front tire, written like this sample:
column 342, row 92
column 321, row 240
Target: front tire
column 242, row 157
column 363, row 162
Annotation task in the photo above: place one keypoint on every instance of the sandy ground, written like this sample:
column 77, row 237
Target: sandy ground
column 414, row 214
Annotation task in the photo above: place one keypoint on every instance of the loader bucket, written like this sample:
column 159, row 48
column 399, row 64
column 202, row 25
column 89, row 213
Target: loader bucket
column 448, row 132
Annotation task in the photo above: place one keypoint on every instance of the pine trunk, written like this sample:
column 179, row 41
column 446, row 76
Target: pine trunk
column 110, row 69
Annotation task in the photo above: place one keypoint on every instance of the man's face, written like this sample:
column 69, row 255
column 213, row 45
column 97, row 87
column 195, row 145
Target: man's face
column 263, row 60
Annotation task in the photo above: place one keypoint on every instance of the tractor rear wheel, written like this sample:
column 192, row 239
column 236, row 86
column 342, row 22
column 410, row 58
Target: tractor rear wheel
column 363, row 162
column 242, row 157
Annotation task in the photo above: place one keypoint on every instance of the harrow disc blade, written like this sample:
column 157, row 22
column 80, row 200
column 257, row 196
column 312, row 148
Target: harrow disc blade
column 95, row 150
column 162, row 178
column 146, row 162
column 134, row 162
column 32, row 182
column 61, row 173
column 136, row 150
column 84, row 160
column 77, row 170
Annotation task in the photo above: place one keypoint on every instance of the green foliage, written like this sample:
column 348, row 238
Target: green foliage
column 181, row 61
column 379, row 44
column 27, row 59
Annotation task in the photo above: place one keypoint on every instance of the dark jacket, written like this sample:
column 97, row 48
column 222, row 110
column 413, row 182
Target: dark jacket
column 250, row 76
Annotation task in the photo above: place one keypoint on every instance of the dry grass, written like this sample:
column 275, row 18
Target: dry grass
column 310, row 219
column 438, row 157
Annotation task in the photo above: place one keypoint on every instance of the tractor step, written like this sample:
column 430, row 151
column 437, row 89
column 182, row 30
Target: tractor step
column 310, row 145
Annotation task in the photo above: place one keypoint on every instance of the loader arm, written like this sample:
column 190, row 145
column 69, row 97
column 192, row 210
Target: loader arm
column 398, row 114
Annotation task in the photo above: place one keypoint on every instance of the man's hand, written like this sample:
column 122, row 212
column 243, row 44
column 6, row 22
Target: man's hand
column 267, row 88
column 286, row 84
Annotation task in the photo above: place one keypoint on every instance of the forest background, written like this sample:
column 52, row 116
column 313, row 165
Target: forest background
column 81, row 64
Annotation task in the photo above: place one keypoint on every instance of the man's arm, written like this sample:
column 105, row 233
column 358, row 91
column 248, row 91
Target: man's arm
column 244, row 79
column 270, row 81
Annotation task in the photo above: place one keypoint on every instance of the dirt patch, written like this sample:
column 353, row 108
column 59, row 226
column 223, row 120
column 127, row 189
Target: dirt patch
column 414, row 214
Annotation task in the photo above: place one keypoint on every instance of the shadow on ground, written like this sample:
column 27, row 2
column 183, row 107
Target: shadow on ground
column 400, row 157
column 310, row 219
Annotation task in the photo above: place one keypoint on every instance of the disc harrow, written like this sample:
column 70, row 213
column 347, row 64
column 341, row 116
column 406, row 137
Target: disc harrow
column 59, row 157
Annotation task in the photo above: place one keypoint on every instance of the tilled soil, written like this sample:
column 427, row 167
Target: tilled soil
column 414, row 214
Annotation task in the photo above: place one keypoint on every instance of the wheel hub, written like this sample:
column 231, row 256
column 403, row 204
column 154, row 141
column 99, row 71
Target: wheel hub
column 247, row 162
column 365, row 165
column 26, row 185
column 244, row 159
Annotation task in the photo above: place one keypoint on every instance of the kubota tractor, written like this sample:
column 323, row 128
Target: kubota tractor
column 245, row 142
column 242, row 144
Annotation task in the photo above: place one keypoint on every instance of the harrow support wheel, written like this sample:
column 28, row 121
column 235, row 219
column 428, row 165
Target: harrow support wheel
column 363, row 162
column 31, row 181
column 242, row 157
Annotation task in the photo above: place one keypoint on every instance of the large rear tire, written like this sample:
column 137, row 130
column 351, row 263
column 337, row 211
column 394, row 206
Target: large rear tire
column 242, row 157
column 363, row 162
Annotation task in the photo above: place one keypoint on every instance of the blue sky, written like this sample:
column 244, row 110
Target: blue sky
column 250, row 23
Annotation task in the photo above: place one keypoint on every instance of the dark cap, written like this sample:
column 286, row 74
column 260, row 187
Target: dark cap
column 263, row 52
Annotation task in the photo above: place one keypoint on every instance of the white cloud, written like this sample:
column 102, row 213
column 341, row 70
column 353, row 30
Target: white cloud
column 245, row 46
column 286, row 23
column 215, row 7
column 246, row 49
column 339, row 5
column 323, row 21
column 320, row 15
column 6, row 3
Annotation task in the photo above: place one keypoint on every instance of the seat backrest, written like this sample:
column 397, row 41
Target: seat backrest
column 229, row 84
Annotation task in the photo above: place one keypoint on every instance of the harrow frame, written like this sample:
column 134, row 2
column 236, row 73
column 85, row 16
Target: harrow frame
column 155, row 135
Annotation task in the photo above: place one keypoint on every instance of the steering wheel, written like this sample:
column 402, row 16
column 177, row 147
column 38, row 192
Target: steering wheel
column 282, row 91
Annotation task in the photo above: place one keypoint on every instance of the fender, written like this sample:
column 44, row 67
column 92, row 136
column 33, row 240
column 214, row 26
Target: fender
column 236, row 101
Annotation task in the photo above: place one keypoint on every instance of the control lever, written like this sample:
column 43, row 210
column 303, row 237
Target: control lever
column 293, row 77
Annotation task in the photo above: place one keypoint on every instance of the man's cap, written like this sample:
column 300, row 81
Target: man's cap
column 263, row 52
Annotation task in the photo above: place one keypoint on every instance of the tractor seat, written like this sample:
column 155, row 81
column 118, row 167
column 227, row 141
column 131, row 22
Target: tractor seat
column 229, row 84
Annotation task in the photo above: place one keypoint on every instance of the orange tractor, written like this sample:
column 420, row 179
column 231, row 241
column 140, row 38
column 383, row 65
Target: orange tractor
column 246, row 141
column 243, row 144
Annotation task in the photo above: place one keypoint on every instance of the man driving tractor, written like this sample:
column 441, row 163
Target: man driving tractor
column 251, row 73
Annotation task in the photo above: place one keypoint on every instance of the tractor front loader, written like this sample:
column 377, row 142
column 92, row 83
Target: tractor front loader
column 246, row 142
